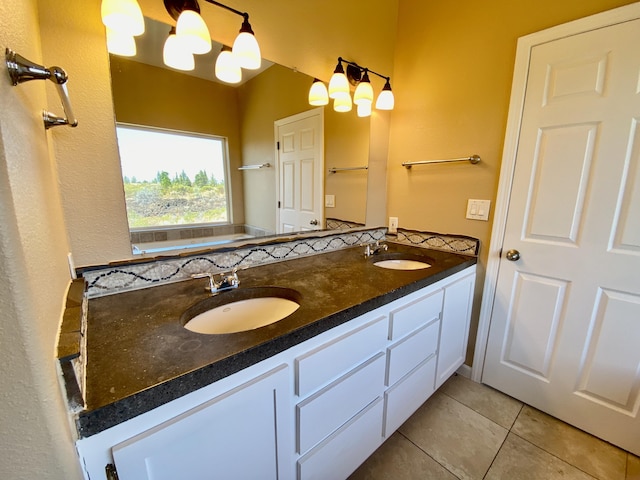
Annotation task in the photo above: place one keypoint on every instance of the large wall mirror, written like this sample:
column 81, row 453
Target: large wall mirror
column 241, row 118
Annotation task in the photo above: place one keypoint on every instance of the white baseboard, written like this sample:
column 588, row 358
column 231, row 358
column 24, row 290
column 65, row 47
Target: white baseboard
column 464, row 370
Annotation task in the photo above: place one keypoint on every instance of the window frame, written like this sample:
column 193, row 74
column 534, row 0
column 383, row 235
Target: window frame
column 227, row 178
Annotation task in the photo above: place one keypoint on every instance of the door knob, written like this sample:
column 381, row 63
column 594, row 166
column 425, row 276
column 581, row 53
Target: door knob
column 513, row 255
column 314, row 222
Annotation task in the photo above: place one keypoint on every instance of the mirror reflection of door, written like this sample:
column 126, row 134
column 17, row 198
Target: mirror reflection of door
column 300, row 171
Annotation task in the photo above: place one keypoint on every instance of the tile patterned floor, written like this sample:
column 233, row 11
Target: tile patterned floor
column 470, row 431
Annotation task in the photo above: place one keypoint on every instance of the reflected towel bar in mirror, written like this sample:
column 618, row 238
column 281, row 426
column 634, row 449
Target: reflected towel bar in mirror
column 473, row 159
column 254, row 167
column 345, row 169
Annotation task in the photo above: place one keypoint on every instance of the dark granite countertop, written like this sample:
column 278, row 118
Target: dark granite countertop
column 139, row 355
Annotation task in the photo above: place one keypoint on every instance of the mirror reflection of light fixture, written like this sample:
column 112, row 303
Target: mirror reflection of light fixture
column 318, row 94
column 227, row 67
column 342, row 103
column 122, row 16
column 363, row 96
column 120, row 43
column 175, row 55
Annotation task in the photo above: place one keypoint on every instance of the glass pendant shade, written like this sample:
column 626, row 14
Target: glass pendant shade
column 120, row 43
column 318, row 95
column 342, row 104
column 246, row 48
column 339, row 86
column 364, row 91
column 176, row 56
column 193, row 32
column 385, row 100
column 364, row 109
column 227, row 68
column 122, row 16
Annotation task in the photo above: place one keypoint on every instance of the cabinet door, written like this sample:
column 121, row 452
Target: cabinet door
column 234, row 435
column 454, row 333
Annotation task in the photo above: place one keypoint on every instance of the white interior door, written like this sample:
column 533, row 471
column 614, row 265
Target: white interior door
column 300, row 158
column 565, row 322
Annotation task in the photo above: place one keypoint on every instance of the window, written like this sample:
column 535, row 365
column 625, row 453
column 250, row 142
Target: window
column 173, row 178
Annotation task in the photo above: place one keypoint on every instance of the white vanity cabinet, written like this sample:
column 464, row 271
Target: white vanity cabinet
column 239, row 433
column 315, row 411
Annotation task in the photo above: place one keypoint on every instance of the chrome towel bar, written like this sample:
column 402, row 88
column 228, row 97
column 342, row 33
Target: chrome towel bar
column 473, row 159
column 254, row 167
column 22, row 70
column 345, row 169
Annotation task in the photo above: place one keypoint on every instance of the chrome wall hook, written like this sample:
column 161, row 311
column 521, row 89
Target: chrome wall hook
column 23, row 70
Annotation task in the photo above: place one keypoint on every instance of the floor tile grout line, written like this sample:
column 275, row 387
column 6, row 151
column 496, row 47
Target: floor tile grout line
column 483, row 415
column 426, row 453
column 496, row 455
column 556, row 456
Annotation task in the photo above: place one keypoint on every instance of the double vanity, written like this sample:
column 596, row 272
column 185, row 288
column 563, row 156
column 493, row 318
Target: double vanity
column 310, row 395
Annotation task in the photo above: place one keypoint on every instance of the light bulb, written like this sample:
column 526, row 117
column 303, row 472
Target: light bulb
column 246, row 48
column 120, row 43
column 364, row 91
column 227, row 68
column 123, row 16
column 318, row 94
column 385, row 100
column 176, row 56
column 193, row 32
column 364, row 109
column 342, row 104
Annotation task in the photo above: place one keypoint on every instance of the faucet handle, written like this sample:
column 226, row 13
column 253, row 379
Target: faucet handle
column 212, row 285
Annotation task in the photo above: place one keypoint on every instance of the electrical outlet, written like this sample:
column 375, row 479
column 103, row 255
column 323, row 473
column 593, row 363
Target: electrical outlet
column 329, row 201
column 478, row 209
column 393, row 224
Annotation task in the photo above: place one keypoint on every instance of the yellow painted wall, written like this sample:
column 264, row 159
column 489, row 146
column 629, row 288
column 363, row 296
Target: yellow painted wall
column 280, row 92
column 147, row 95
column 35, row 441
column 452, row 80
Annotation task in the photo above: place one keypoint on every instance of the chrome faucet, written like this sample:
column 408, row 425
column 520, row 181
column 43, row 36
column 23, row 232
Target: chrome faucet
column 227, row 280
column 375, row 248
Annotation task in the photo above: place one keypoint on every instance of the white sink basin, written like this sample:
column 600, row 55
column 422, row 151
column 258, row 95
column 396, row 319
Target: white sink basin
column 402, row 264
column 402, row 261
column 241, row 310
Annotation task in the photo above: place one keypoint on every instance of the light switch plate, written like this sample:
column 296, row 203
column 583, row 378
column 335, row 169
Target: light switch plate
column 393, row 224
column 329, row 200
column 478, row 209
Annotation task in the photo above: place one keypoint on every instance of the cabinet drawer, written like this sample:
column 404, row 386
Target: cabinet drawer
column 405, row 355
column 340, row 454
column 330, row 408
column 404, row 398
column 331, row 360
column 415, row 314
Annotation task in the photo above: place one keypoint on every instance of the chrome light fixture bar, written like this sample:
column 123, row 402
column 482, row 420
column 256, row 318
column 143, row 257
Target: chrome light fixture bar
column 339, row 90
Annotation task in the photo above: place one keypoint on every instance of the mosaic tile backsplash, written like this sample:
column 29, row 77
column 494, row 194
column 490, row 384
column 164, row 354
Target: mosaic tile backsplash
column 115, row 279
column 448, row 243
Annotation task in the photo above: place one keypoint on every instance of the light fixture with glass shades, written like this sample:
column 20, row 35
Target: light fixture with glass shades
column 123, row 21
column 189, row 37
column 339, row 90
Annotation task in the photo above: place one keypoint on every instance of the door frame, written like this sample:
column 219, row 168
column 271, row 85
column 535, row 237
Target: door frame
column 276, row 134
column 514, row 120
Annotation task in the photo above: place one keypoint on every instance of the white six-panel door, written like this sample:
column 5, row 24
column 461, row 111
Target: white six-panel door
column 565, row 323
column 300, row 167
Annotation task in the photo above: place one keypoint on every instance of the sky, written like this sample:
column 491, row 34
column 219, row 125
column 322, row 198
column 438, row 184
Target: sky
column 145, row 152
